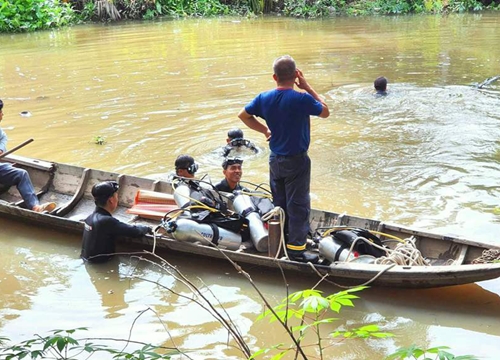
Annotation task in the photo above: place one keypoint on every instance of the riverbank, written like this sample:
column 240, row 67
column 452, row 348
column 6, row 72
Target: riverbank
column 32, row 15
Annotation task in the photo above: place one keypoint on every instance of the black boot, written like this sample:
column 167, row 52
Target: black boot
column 303, row 256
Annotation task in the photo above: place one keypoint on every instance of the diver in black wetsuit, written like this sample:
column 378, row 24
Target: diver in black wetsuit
column 380, row 85
column 236, row 142
column 101, row 228
column 232, row 170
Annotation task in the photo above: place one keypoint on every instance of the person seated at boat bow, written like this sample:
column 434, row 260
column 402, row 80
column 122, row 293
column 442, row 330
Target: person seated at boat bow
column 236, row 143
column 12, row 176
column 101, row 228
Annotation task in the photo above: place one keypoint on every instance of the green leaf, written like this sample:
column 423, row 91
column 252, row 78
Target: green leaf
column 404, row 353
column 371, row 327
column 264, row 351
column 314, row 304
column 381, row 335
column 335, row 307
column 436, row 349
column 279, row 356
column 37, row 354
column 50, row 343
column 61, row 343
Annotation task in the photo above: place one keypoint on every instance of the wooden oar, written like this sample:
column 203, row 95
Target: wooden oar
column 16, row 148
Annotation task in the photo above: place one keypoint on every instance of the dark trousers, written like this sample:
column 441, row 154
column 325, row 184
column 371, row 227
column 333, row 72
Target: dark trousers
column 290, row 178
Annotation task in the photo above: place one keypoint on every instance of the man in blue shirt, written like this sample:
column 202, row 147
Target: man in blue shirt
column 287, row 127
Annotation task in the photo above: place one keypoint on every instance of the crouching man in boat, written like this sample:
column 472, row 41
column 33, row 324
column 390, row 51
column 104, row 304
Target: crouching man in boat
column 10, row 176
column 101, row 228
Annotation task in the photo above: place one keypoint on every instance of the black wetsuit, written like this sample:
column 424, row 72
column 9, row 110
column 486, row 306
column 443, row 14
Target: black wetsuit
column 239, row 143
column 224, row 186
column 101, row 229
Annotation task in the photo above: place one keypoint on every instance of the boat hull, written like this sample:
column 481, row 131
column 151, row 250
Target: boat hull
column 70, row 187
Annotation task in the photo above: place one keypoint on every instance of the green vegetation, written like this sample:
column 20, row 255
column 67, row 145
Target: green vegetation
column 310, row 313
column 30, row 15
column 99, row 140
column 63, row 346
column 413, row 352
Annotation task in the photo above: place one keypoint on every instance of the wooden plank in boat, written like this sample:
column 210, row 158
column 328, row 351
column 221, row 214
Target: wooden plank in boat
column 25, row 161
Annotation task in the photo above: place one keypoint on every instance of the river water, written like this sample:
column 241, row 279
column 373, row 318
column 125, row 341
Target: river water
column 427, row 155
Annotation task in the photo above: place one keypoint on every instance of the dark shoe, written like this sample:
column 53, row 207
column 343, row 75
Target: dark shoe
column 304, row 257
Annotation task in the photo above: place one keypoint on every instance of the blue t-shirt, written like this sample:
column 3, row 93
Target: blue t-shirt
column 3, row 141
column 287, row 114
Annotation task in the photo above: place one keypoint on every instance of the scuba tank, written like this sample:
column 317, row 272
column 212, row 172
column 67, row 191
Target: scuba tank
column 334, row 250
column 182, row 195
column 190, row 231
column 258, row 233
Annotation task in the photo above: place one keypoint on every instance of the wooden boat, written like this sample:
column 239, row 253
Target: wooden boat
column 69, row 186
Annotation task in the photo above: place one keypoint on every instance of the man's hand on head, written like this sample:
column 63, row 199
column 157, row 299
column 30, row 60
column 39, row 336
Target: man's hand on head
column 301, row 81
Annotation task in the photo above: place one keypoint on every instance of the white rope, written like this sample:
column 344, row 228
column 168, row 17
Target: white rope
column 154, row 240
column 280, row 213
column 405, row 253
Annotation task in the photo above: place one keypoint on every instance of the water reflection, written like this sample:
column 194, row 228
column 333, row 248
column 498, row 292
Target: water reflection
column 61, row 292
column 109, row 285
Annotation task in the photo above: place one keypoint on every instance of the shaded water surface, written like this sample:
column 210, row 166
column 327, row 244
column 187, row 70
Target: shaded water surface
column 427, row 155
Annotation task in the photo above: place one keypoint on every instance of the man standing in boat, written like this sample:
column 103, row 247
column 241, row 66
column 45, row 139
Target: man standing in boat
column 10, row 176
column 287, row 115
column 101, row 228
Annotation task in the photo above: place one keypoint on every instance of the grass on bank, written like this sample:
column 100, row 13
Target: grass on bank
column 31, row 15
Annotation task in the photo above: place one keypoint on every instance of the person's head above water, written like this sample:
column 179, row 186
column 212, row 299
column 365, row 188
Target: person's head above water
column 103, row 191
column 235, row 133
column 380, row 84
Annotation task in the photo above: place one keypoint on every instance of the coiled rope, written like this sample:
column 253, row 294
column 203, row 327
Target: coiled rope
column 405, row 253
column 487, row 257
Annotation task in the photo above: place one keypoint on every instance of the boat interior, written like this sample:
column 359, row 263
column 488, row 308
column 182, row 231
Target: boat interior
column 70, row 188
